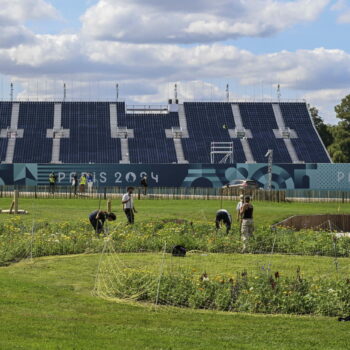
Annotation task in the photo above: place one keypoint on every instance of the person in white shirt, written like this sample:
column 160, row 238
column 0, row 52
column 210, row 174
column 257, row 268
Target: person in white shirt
column 128, row 205
column 239, row 206
column 90, row 182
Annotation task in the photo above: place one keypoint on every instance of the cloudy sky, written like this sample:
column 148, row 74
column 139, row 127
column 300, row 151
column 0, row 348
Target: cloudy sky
column 148, row 45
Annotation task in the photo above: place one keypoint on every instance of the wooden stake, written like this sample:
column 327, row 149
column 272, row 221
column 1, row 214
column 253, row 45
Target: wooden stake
column 11, row 207
column 15, row 197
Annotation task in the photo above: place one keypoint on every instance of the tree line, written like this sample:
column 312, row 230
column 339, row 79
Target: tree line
column 336, row 138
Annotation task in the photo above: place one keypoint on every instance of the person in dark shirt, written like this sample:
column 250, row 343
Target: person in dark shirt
column 224, row 216
column 98, row 218
column 144, row 184
column 75, row 183
column 247, row 227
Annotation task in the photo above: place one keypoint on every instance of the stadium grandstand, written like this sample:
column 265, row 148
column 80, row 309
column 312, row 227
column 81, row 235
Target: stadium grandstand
column 189, row 132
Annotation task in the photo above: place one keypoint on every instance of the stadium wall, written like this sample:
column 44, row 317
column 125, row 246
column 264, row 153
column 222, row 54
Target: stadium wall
column 285, row 176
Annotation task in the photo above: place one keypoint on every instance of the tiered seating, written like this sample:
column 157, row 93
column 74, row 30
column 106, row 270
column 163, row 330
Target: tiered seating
column 35, row 118
column 5, row 121
column 308, row 145
column 90, row 137
column 121, row 113
column 150, row 144
column 209, row 122
column 260, row 119
column 90, row 134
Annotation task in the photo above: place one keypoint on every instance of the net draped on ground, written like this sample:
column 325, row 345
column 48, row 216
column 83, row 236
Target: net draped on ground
column 194, row 281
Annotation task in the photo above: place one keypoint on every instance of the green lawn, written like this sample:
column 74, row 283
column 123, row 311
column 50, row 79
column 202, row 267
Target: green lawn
column 230, row 264
column 48, row 305
column 202, row 210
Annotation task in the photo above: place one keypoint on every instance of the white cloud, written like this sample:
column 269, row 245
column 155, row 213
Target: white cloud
column 325, row 100
column 343, row 7
column 19, row 11
column 344, row 17
column 339, row 5
column 11, row 36
column 144, row 71
column 165, row 21
column 139, row 51
column 13, row 16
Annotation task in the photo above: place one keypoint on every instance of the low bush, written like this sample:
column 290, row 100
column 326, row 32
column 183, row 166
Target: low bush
column 18, row 241
column 264, row 293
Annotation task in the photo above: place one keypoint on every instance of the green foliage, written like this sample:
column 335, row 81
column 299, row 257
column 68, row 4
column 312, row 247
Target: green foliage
column 263, row 293
column 324, row 130
column 48, row 305
column 343, row 110
column 18, row 241
column 339, row 149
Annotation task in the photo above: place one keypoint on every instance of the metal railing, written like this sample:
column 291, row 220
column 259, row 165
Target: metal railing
column 153, row 193
column 176, row 193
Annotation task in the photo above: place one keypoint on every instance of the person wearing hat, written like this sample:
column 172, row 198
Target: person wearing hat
column 239, row 206
column 128, row 205
column 247, row 227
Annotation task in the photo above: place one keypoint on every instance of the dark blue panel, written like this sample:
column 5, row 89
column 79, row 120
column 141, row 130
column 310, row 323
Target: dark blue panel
column 206, row 123
column 90, row 134
column 308, row 146
column 35, row 118
column 5, row 122
column 260, row 119
column 150, row 144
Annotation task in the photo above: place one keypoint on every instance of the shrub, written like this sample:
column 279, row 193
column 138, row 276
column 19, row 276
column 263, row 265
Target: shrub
column 18, row 241
column 264, row 293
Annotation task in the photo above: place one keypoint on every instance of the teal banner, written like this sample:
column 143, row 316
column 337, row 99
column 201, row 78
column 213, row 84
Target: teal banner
column 285, row 176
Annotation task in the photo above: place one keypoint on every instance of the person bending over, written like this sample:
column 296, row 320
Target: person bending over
column 223, row 216
column 247, row 227
column 128, row 205
column 98, row 218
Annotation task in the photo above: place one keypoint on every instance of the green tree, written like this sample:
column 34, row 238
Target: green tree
column 343, row 111
column 324, row 130
column 340, row 148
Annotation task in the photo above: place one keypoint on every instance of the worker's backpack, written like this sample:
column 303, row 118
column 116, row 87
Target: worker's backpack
column 179, row 251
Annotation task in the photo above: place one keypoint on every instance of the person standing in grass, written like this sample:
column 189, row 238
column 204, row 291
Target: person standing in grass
column 239, row 206
column 223, row 216
column 98, row 218
column 247, row 226
column 52, row 182
column 90, row 182
column 82, row 183
column 128, row 205
column 144, row 184
column 75, row 183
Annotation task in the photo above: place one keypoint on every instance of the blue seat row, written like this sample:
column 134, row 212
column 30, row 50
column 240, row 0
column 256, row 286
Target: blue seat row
column 5, row 121
column 150, row 144
column 35, row 119
column 90, row 134
column 90, row 138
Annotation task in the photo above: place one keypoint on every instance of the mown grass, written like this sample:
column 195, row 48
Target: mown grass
column 57, row 210
column 48, row 305
column 230, row 264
